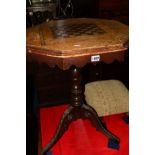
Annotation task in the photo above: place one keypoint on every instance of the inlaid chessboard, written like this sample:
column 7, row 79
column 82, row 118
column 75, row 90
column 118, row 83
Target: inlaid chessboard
column 67, row 31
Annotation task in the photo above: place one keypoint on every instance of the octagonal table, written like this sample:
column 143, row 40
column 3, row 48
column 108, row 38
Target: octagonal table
column 71, row 44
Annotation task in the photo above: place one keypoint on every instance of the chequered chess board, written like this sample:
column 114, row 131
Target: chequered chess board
column 72, row 30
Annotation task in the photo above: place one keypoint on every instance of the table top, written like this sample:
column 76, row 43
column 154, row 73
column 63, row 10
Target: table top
column 77, row 41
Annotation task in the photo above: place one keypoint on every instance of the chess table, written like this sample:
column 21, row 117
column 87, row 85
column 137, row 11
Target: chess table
column 71, row 44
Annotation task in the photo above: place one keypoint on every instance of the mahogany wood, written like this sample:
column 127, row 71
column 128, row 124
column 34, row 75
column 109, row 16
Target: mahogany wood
column 43, row 46
column 66, row 50
column 77, row 110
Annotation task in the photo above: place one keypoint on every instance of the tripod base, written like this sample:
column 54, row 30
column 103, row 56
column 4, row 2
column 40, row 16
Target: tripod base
column 76, row 110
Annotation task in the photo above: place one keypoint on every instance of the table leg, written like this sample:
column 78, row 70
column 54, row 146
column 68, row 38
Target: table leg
column 76, row 110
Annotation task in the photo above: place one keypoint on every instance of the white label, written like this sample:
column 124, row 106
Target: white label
column 95, row 58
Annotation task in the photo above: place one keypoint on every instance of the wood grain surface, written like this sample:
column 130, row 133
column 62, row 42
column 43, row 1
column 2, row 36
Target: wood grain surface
column 74, row 41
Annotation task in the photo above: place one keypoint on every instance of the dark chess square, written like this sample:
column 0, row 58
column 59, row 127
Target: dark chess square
column 67, row 31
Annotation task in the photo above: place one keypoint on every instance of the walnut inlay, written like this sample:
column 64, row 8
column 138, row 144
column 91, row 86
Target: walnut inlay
column 67, row 31
column 74, row 41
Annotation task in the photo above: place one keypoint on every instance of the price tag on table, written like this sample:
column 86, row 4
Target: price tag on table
column 95, row 58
